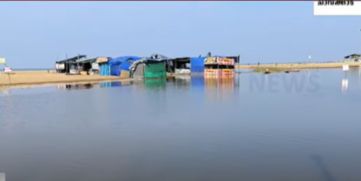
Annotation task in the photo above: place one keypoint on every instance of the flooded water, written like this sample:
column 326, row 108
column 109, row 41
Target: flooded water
column 297, row 126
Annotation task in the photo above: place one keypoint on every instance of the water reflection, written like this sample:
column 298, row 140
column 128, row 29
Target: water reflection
column 219, row 88
column 197, row 82
column 135, row 133
column 4, row 91
column 306, row 81
column 79, row 86
column 155, row 83
column 2, row 177
column 352, row 77
column 325, row 172
column 215, row 85
column 110, row 84
column 181, row 82
column 116, row 84
column 344, row 84
column 214, row 88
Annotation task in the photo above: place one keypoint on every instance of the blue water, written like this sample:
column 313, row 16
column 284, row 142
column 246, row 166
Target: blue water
column 297, row 126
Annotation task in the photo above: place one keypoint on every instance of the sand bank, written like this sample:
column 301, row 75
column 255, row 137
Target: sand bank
column 45, row 77
column 293, row 66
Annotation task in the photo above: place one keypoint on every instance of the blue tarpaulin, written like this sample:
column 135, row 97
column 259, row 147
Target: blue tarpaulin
column 104, row 69
column 197, row 64
column 121, row 63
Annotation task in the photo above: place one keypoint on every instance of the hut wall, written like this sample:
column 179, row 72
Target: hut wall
column 197, row 64
column 115, row 69
column 104, row 69
column 139, row 71
column 155, row 70
column 60, row 67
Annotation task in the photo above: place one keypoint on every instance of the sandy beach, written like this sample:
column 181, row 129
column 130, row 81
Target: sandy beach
column 45, row 77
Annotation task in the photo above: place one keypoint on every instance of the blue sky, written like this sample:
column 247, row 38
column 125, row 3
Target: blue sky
column 35, row 34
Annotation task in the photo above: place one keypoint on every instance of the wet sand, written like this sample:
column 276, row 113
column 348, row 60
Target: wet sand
column 45, row 77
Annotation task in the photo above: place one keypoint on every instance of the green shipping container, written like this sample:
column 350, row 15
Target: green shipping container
column 155, row 70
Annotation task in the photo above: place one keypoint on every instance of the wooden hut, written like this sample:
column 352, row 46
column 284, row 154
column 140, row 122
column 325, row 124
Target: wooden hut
column 353, row 57
column 66, row 65
column 179, row 65
column 219, row 67
column 149, row 67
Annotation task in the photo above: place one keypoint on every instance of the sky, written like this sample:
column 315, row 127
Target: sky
column 36, row 34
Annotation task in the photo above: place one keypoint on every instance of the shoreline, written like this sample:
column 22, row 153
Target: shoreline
column 310, row 65
column 41, row 77
column 24, row 78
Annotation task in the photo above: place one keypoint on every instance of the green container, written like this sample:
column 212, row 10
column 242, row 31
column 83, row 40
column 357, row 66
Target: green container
column 155, row 70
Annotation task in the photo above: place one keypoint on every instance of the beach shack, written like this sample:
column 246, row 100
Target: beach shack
column 120, row 66
column 197, row 65
column 155, row 69
column 104, row 67
column 87, row 66
column 178, row 66
column 235, row 58
column 68, row 65
column 219, row 67
column 149, row 67
column 353, row 57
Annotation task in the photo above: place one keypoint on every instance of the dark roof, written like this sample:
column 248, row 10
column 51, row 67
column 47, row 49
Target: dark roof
column 180, row 59
column 157, row 57
column 72, row 59
column 91, row 60
column 236, row 58
column 124, row 60
column 154, row 58
column 353, row 56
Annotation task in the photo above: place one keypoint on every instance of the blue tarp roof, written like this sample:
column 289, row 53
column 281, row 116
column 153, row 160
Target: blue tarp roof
column 121, row 63
column 123, row 59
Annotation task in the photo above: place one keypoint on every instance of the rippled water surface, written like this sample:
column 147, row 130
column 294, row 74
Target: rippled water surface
column 283, row 127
